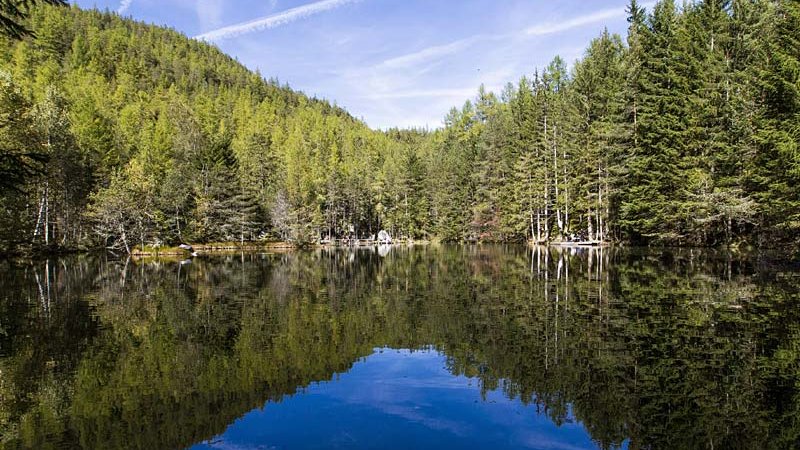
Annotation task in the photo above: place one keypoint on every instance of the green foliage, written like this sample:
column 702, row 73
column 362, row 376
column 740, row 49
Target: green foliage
column 14, row 12
column 21, row 153
column 162, row 139
column 776, row 78
column 653, row 349
column 687, row 135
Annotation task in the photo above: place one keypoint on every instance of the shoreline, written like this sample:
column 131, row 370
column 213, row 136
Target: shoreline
column 211, row 247
column 225, row 247
column 784, row 252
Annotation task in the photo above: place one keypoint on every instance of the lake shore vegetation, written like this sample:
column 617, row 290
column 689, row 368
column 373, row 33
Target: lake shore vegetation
column 117, row 134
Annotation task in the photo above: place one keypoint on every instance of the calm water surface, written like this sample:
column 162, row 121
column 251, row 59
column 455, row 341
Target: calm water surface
column 429, row 347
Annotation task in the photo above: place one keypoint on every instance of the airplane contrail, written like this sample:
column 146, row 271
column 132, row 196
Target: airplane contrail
column 272, row 21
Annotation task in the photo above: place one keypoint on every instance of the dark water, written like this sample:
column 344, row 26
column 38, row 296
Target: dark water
column 438, row 347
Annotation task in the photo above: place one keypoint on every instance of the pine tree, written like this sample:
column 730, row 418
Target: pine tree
column 528, row 184
column 493, row 167
column 452, row 182
column 650, row 207
column 775, row 173
column 21, row 154
column 557, row 145
column 66, row 184
column 14, row 12
column 598, row 96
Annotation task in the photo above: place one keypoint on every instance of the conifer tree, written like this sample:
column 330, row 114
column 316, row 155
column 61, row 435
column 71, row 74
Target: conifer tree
column 776, row 166
column 14, row 12
column 650, row 207
column 600, row 116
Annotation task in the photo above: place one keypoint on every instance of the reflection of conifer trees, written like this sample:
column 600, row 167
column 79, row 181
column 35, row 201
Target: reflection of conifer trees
column 672, row 348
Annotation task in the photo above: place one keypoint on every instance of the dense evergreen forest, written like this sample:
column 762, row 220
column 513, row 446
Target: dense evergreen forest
column 686, row 132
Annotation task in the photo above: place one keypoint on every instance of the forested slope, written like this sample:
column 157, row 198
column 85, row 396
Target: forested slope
column 687, row 132
column 136, row 134
column 116, row 133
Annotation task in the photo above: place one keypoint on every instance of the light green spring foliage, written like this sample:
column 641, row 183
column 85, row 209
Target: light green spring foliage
column 685, row 132
column 174, row 141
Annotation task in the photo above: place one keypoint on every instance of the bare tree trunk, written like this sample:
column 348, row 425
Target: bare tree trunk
column 178, row 223
column 533, row 231
column 566, row 191
column 599, row 212
column 47, row 214
column 65, row 231
column 545, row 152
column 546, row 211
column 39, row 217
column 125, row 241
column 559, row 220
column 530, row 205
column 728, row 231
column 538, row 226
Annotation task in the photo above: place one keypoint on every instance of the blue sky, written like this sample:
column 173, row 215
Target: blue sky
column 400, row 399
column 391, row 62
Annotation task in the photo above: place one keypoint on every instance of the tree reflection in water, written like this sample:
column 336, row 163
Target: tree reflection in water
column 656, row 349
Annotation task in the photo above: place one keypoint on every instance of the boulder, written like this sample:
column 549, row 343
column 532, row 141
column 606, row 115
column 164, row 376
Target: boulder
column 384, row 238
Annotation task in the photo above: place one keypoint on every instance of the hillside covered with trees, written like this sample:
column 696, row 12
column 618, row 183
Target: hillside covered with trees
column 115, row 133
column 687, row 132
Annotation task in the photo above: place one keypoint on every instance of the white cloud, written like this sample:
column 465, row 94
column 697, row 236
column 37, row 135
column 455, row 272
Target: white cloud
column 275, row 20
column 438, row 52
column 401, row 91
column 430, row 53
column 425, row 93
column 576, row 22
column 415, row 86
column 123, row 6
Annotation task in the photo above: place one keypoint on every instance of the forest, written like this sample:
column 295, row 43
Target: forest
column 117, row 134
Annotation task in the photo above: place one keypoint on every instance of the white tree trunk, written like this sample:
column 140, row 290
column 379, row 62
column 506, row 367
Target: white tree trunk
column 47, row 214
column 39, row 217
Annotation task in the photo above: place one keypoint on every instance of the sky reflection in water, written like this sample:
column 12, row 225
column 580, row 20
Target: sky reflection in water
column 399, row 399
column 528, row 347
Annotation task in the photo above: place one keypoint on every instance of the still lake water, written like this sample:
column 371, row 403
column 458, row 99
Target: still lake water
column 427, row 347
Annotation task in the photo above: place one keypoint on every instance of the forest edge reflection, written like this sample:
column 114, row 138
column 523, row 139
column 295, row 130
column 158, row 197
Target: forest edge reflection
column 683, row 348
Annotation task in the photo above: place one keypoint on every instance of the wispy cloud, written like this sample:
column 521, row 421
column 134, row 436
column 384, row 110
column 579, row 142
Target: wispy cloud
column 275, row 20
column 424, row 93
column 430, row 53
column 123, row 6
column 575, row 22
column 440, row 51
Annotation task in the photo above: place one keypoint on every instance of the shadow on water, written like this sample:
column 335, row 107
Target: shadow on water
column 644, row 348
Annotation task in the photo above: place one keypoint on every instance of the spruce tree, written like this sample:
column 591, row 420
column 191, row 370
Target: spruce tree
column 599, row 108
column 775, row 173
column 13, row 14
column 651, row 205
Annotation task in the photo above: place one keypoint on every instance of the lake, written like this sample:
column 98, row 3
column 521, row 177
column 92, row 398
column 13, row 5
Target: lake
column 425, row 347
